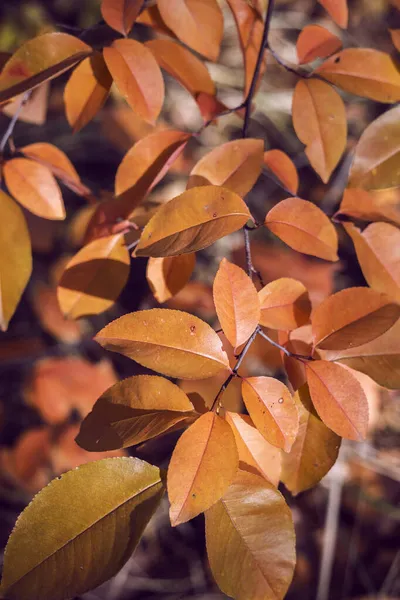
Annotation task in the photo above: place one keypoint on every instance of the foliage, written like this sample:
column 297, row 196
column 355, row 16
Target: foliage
column 226, row 464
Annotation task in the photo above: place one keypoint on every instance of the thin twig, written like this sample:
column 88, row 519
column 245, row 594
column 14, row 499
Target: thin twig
column 13, row 122
column 251, row 270
column 300, row 357
column 279, row 60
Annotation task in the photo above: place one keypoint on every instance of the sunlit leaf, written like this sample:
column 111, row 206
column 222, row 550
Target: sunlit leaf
column 132, row 411
column 67, row 542
column 319, row 119
column 197, row 24
column 236, row 165
column 272, row 410
column 94, row 277
column 372, row 205
column 283, row 168
column 171, row 342
column 304, row 227
column 16, row 257
column 315, row 42
column 192, row 221
column 38, row 60
column 352, row 317
column 137, row 76
column 285, row 304
column 365, row 72
column 34, row 186
column 167, row 276
column 236, row 302
column 86, row 91
column 255, row 453
column 338, row 10
column 338, row 399
column 251, row 540
column 121, row 14
column 314, row 451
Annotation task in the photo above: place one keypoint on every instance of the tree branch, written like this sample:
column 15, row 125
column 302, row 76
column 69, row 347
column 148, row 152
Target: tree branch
column 8, row 132
column 300, row 357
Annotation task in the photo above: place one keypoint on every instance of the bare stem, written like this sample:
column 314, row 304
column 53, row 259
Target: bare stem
column 9, row 131
column 300, row 357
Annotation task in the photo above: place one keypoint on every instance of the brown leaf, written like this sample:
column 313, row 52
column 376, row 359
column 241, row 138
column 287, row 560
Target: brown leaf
column 171, row 342
column 236, row 165
column 285, row 304
column 255, row 453
column 374, row 205
column 34, row 186
column 315, row 42
column 193, row 221
column 38, row 60
column 352, row 317
column 314, row 451
column 132, row 411
column 338, row 399
column 167, row 276
column 197, row 24
column 283, row 168
column 121, row 14
column 338, row 10
column 251, row 541
column 94, row 278
column 319, row 119
column 202, row 466
column 137, row 76
column 236, row 302
column 86, row 91
column 16, row 257
column 304, row 227
column 365, row 72
column 272, row 410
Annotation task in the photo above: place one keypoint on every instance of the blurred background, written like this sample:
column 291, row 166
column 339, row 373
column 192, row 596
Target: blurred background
column 52, row 372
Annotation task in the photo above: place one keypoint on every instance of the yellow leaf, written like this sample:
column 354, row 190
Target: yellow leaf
column 167, row 276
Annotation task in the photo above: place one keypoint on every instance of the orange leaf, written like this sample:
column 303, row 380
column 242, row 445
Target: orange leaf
column 171, row 342
column 132, row 411
column 137, row 76
column 374, row 205
column 285, row 304
column 338, row 10
column 319, row 119
column 48, row 312
column 255, row 453
column 283, row 168
column 235, row 165
column 352, row 317
column 94, row 278
column 236, row 302
column 193, row 221
column 304, row 227
column 151, row 17
column 314, row 451
column 272, row 410
column 38, row 60
column 86, row 91
column 167, row 276
column 338, row 399
column 379, row 264
column 202, row 466
column 377, row 154
column 197, row 24
column 183, row 65
column 209, row 106
column 34, row 186
column 121, row 14
column 34, row 109
column 364, row 72
column 315, row 42
column 395, row 35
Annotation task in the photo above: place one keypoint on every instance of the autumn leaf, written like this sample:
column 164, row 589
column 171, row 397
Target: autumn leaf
column 235, row 165
column 272, row 410
column 315, row 42
column 120, row 14
column 167, row 276
column 48, row 312
column 251, row 541
column 338, row 11
column 132, row 411
column 314, row 451
column 137, row 76
column 60, row 525
column 236, row 302
column 395, row 35
column 193, row 221
column 365, row 72
column 171, row 342
column 352, row 317
column 319, row 119
column 372, row 205
column 34, row 109
column 16, row 257
column 338, row 399
column 304, row 227
column 202, row 467
column 284, row 304
column 283, row 168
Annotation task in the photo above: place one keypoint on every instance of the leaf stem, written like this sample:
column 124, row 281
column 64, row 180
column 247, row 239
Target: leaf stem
column 8, row 132
column 300, row 357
